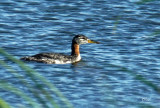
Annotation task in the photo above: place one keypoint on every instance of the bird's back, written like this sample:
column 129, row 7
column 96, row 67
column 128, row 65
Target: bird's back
column 51, row 58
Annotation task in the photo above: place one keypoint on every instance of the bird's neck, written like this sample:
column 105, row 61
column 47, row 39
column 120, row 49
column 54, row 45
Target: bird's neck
column 75, row 49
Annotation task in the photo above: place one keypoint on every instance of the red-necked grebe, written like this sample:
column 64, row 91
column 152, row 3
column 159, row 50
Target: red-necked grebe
column 55, row 58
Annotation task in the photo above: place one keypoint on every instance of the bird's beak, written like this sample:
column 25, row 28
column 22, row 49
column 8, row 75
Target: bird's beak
column 91, row 41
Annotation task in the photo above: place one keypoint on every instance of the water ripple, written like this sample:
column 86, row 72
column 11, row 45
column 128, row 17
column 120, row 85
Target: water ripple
column 129, row 36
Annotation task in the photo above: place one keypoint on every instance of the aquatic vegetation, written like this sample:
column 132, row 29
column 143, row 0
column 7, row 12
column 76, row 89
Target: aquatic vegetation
column 139, row 78
column 42, row 95
column 144, row 1
column 116, row 23
column 155, row 33
column 3, row 104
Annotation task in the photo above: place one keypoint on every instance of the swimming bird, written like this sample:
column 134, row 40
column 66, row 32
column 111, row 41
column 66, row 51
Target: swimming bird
column 56, row 58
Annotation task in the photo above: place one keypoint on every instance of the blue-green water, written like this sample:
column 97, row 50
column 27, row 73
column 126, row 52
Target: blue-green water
column 129, row 34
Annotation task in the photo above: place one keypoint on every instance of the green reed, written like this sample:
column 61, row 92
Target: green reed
column 139, row 78
column 3, row 104
column 144, row 1
column 37, row 89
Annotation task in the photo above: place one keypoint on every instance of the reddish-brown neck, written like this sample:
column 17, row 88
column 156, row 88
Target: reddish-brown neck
column 75, row 49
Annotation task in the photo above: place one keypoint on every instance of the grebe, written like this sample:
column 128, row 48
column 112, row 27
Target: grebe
column 55, row 58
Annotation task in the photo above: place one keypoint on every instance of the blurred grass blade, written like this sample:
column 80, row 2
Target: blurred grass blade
column 144, row 1
column 55, row 90
column 138, row 77
column 155, row 33
column 141, row 79
column 115, row 27
column 6, row 86
column 31, row 88
column 3, row 104
column 30, row 72
column 149, row 83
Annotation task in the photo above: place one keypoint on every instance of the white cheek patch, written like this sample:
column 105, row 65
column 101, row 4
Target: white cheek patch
column 82, row 41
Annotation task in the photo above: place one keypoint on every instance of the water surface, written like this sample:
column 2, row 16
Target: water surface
column 106, row 77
